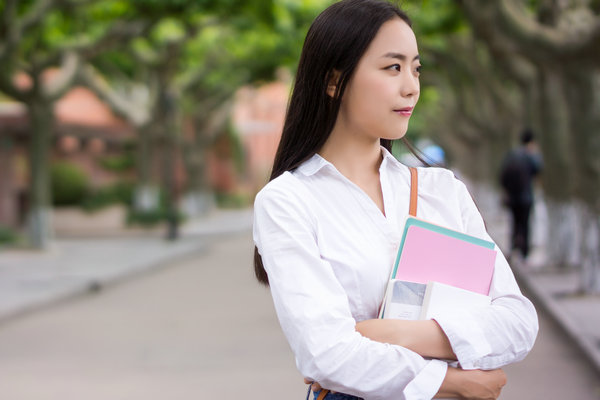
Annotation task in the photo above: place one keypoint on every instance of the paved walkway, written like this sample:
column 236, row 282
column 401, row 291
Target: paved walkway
column 169, row 334
column 32, row 280
column 163, row 336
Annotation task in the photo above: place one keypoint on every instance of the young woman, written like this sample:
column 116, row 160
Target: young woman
column 328, row 224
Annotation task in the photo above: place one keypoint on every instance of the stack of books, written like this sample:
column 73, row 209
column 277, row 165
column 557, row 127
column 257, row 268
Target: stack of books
column 438, row 269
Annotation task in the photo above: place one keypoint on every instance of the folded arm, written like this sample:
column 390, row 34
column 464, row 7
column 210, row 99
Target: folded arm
column 483, row 338
column 423, row 337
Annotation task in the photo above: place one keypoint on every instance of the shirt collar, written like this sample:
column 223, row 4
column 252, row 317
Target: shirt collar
column 313, row 165
column 316, row 163
column 391, row 161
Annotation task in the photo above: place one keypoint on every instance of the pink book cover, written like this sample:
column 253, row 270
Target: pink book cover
column 432, row 256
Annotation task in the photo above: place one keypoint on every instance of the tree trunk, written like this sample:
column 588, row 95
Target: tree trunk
column 583, row 97
column 147, row 193
column 198, row 199
column 556, row 176
column 169, row 136
column 590, row 250
column 171, row 189
column 41, row 119
column 563, row 236
column 554, row 136
column 582, row 89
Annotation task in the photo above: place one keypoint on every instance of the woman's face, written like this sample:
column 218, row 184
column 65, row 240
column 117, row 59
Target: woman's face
column 384, row 89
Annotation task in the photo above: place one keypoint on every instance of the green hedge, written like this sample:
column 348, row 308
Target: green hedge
column 233, row 200
column 118, row 193
column 7, row 236
column 118, row 163
column 69, row 184
column 150, row 218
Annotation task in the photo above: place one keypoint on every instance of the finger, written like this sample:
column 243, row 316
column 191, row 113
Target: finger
column 307, row 381
column 316, row 387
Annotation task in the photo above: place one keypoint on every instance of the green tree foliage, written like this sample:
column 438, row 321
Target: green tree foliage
column 189, row 54
column 38, row 35
column 188, row 65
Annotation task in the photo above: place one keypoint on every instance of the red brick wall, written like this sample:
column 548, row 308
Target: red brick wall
column 8, row 189
column 258, row 117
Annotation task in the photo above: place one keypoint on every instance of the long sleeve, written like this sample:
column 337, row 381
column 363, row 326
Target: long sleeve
column 313, row 309
column 502, row 333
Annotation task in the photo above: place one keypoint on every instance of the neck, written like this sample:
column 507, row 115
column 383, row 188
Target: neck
column 355, row 157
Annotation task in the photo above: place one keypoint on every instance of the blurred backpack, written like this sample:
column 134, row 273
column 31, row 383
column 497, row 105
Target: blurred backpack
column 516, row 172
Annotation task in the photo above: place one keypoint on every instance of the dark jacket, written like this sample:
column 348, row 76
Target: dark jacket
column 518, row 169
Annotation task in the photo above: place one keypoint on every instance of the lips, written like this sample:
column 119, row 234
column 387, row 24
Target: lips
column 405, row 111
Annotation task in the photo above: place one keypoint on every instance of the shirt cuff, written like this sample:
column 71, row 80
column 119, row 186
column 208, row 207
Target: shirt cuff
column 466, row 337
column 427, row 382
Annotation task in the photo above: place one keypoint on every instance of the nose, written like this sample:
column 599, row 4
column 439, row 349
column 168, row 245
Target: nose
column 410, row 85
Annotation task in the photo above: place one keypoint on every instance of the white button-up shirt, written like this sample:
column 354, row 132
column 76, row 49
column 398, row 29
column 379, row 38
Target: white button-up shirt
column 328, row 251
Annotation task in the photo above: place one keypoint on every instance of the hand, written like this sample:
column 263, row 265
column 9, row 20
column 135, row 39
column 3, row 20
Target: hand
column 483, row 384
column 315, row 387
column 472, row 384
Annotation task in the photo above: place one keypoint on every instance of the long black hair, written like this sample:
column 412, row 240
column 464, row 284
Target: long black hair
column 334, row 44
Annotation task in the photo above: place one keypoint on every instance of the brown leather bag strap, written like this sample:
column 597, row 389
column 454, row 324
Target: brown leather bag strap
column 414, row 191
column 322, row 394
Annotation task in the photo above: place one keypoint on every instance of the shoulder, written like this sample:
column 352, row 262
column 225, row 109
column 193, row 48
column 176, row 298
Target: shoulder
column 286, row 185
column 435, row 173
column 439, row 180
column 286, row 192
column 442, row 187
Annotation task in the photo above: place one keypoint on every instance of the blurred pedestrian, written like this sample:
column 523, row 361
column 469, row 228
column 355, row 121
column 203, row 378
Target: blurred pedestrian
column 434, row 155
column 518, row 170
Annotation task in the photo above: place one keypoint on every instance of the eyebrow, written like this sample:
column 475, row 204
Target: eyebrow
column 399, row 56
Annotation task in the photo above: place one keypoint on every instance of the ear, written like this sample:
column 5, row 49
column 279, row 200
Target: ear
column 333, row 82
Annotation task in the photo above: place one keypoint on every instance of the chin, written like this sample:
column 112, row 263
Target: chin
column 397, row 133
column 394, row 136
